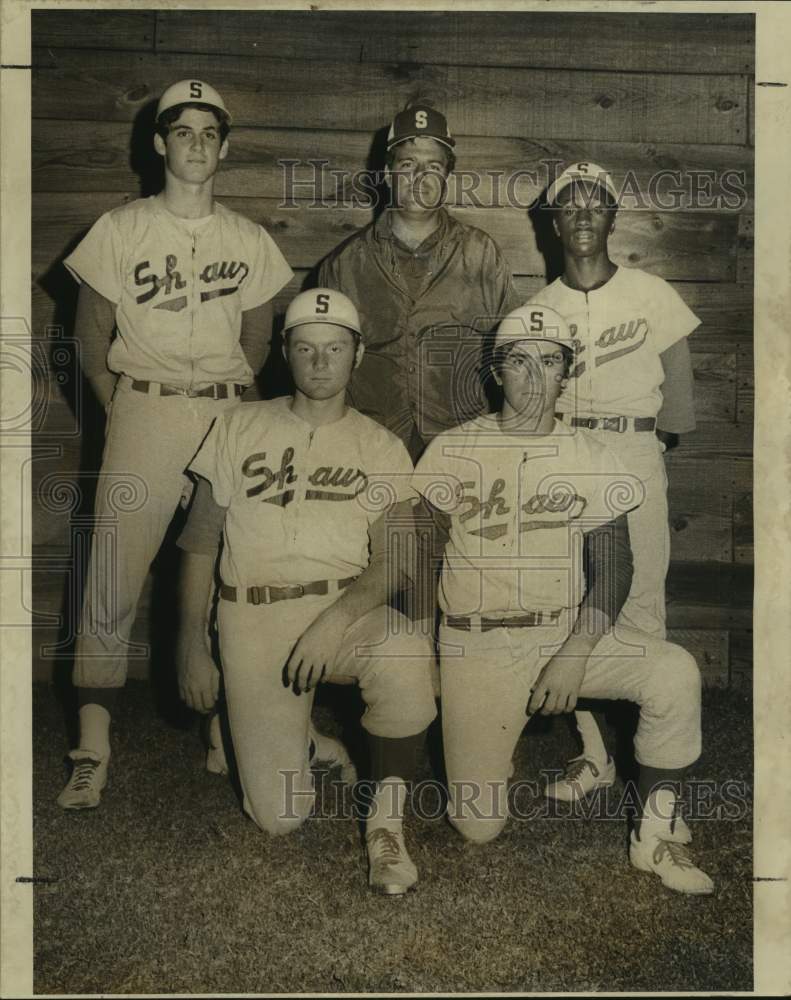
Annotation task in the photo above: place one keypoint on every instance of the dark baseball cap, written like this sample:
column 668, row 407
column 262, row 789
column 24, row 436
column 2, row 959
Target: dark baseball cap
column 417, row 121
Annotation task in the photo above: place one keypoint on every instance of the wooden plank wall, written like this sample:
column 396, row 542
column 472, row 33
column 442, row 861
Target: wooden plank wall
column 638, row 93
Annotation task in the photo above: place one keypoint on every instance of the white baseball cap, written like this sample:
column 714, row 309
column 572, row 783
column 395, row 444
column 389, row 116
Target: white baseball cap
column 192, row 92
column 534, row 322
column 583, row 170
column 322, row 305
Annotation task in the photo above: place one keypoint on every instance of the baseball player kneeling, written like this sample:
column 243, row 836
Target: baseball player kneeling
column 536, row 569
column 306, row 490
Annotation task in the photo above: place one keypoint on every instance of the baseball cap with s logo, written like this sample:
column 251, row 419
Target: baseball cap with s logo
column 416, row 121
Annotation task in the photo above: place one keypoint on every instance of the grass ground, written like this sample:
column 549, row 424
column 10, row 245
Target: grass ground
column 168, row 888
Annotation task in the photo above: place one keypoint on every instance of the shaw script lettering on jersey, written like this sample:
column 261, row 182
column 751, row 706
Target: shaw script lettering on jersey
column 608, row 338
column 324, row 475
column 225, row 270
column 559, row 501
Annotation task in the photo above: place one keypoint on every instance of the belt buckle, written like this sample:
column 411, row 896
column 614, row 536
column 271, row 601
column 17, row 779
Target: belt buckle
column 300, row 587
column 623, row 423
column 590, row 422
column 259, row 595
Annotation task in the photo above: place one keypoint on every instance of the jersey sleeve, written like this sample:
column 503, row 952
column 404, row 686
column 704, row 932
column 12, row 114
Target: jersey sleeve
column 436, row 478
column 673, row 319
column 391, row 482
column 97, row 259
column 269, row 272
column 615, row 491
column 214, row 461
column 201, row 534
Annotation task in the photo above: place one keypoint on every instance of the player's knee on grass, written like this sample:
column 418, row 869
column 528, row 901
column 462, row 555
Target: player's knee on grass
column 399, row 696
column 477, row 811
column 283, row 808
column 669, row 733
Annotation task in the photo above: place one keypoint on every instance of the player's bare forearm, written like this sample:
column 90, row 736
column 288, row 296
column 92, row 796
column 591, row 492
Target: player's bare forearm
column 197, row 674
column 608, row 576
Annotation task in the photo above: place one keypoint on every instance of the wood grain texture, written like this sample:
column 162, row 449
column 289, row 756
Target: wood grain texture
column 714, row 439
column 490, row 171
column 116, row 30
column 743, row 528
column 741, row 656
column 745, row 382
column 709, row 595
column 479, row 100
column 672, row 245
column 634, row 41
column 715, row 385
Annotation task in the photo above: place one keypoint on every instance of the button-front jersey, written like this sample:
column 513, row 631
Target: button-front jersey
column 519, row 506
column 179, row 289
column 299, row 499
column 622, row 328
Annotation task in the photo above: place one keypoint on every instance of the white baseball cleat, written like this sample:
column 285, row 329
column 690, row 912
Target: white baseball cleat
column 88, row 779
column 670, row 861
column 583, row 776
column 681, row 833
column 332, row 752
column 391, row 871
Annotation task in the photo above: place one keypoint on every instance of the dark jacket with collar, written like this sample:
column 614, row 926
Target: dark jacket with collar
column 421, row 373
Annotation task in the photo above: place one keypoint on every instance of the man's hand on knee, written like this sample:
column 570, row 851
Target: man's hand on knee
column 314, row 657
column 199, row 678
column 557, row 687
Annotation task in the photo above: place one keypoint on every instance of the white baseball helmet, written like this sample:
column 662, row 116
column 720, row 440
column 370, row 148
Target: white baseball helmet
column 581, row 171
column 322, row 305
column 192, row 92
column 534, row 322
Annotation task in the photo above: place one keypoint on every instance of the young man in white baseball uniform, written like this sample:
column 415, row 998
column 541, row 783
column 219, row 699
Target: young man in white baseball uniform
column 633, row 390
column 173, row 320
column 530, row 501
column 306, row 491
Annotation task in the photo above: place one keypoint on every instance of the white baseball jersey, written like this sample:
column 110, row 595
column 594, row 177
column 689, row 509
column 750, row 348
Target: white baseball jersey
column 300, row 499
column 519, row 506
column 180, row 289
column 622, row 328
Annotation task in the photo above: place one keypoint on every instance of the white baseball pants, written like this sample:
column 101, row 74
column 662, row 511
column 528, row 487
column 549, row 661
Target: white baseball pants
column 486, row 681
column 649, row 530
column 150, row 440
column 388, row 656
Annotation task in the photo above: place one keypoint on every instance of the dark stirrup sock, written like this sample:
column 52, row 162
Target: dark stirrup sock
column 394, row 757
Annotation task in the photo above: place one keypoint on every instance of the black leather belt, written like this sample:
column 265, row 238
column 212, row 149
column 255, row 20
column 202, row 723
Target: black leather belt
column 268, row 595
column 218, row 390
column 617, row 424
column 531, row 619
